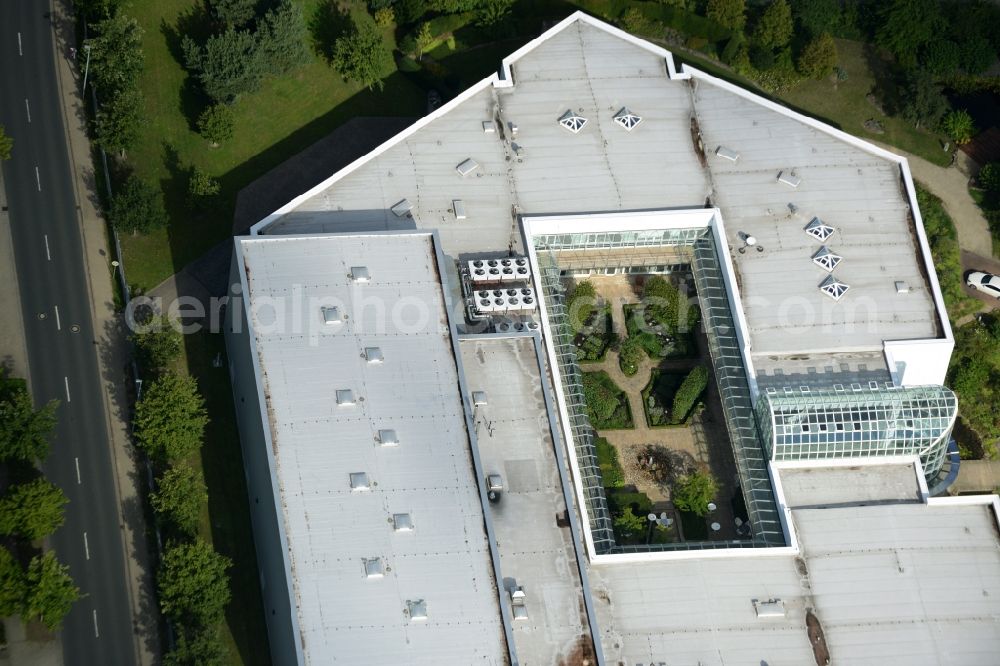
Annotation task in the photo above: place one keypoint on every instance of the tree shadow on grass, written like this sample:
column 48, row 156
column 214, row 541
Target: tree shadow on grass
column 328, row 22
column 196, row 24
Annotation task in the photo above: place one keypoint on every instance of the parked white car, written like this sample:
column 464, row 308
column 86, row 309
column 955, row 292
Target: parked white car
column 984, row 282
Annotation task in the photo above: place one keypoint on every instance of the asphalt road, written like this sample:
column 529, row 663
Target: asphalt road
column 62, row 353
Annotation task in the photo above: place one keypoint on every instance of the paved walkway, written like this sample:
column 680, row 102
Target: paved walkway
column 13, row 353
column 112, row 347
column 977, row 476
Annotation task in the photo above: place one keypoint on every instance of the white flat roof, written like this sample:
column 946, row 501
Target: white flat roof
column 345, row 616
column 594, row 70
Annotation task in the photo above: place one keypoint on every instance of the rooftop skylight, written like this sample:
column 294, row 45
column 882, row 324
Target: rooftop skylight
column 826, row 259
column 819, row 229
column 833, row 287
column 627, row 119
column 573, row 122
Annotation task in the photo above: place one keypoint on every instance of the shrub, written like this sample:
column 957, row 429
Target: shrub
column 384, row 17
column 629, row 356
column 607, row 458
column 959, row 126
column 942, row 238
column 689, row 392
column 606, row 405
column 202, row 188
column 628, row 525
column 989, row 177
column 818, row 58
column 581, row 304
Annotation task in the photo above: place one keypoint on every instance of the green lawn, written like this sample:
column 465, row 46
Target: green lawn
column 284, row 117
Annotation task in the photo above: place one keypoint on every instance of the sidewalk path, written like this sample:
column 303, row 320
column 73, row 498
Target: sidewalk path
column 13, row 353
column 112, row 347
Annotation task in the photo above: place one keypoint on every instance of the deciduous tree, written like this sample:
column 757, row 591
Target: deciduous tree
column 24, row 431
column 116, row 57
column 628, row 524
column 32, row 510
column 197, row 647
column 118, row 120
column 157, row 342
column 137, row 207
column 923, row 103
column 730, row 14
column 193, row 585
column 170, row 418
column 693, row 492
column 179, row 495
column 13, row 586
column 362, row 56
column 50, row 591
column 216, row 123
column 906, row 25
column 226, row 66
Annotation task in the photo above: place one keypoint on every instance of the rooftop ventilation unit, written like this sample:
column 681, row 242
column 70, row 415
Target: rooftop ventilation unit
column 489, row 127
column 417, row 610
column 359, row 481
column 789, row 178
column 373, row 567
column 572, row 121
column 360, row 274
column 902, row 287
column 826, row 259
column 505, row 327
column 772, row 608
column 402, row 208
column 727, row 153
column 627, row 119
column 833, row 287
column 467, row 167
column 401, row 522
column 512, row 126
column 388, row 438
column 517, row 603
column 331, row 315
column 345, row 397
column 458, row 208
column 374, row 355
column 479, row 398
column 819, row 229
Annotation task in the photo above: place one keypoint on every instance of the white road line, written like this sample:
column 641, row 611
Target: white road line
column 19, row 51
column 97, row 634
column 86, row 546
column 78, row 481
column 66, row 381
column 48, row 255
column 38, row 179
column 27, row 108
column 58, row 323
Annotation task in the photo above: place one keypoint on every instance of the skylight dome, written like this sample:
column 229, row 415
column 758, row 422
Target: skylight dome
column 826, row 259
column 819, row 229
column 833, row 287
column 573, row 122
column 627, row 119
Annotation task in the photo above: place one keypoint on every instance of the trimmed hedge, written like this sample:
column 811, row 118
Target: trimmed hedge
column 689, row 392
column 607, row 459
column 607, row 406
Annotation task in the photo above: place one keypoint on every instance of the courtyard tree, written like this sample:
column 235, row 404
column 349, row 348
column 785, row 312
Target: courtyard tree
column 361, row 56
column 170, row 418
column 179, row 495
column 693, row 492
column 628, row 524
column 32, row 510
column 193, row 584
column 630, row 355
column 581, row 303
column 137, row 207
column 24, row 431
column 50, row 591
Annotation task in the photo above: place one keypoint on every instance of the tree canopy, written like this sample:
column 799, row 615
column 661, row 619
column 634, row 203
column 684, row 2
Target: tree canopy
column 923, row 103
column 818, row 58
column 361, row 56
column 24, row 431
column 170, row 418
column 13, row 586
column 233, row 13
column 226, row 65
column 196, row 647
column 157, row 342
column 693, row 492
column 216, row 123
column 116, row 57
column 118, row 120
column 193, row 585
column 907, row 25
column 178, row 497
column 50, row 591
column 728, row 13
column 32, row 510
column 137, row 207
column 774, row 29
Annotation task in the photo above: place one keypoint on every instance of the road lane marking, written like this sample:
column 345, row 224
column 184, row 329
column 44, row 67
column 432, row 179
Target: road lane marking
column 78, row 481
column 86, row 546
column 27, row 108
column 38, row 179
column 66, row 381
column 48, row 255
column 19, row 51
column 97, row 634
column 58, row 323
